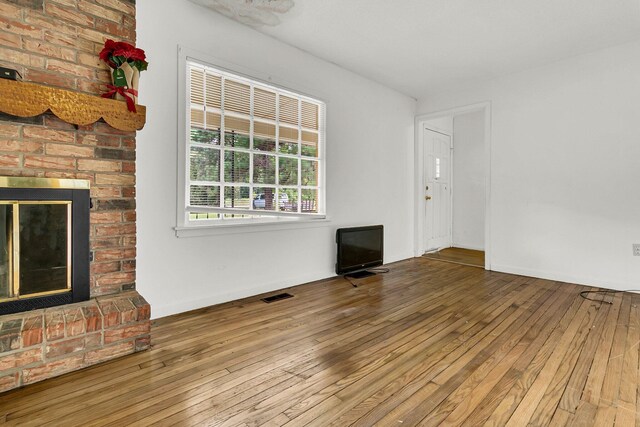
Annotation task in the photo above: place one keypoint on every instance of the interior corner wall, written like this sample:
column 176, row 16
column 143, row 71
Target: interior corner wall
column 369, row 166
column 468, row 180
column 565, row 168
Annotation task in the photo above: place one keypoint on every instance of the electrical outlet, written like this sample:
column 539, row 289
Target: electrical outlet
column 636, row 249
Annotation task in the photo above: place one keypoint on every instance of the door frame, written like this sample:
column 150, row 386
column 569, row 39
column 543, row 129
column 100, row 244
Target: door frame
column 419, row 207
column 425, row 126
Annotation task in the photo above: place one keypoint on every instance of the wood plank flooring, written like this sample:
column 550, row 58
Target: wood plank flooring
column 459, row 256
column 429, row 343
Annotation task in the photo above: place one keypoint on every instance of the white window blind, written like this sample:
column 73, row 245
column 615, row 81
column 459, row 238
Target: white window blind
column 254, row 150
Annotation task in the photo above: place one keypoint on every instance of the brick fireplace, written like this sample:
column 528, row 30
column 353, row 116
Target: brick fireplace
column 56, row 43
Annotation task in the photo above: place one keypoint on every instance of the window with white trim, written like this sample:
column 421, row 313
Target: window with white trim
column 254, row 151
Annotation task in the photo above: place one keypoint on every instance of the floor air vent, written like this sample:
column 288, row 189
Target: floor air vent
column 274, row 298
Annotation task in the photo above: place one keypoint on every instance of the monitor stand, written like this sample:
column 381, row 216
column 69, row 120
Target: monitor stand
column 360, row 274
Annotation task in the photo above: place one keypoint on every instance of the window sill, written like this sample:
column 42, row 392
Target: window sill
column 223, row 229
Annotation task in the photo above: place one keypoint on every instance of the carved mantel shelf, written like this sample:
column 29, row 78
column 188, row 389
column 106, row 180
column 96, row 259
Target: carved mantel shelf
column 25, row 99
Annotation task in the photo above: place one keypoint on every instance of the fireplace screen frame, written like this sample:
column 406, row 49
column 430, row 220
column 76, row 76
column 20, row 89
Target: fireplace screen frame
column 14, row 248
column 74, row 193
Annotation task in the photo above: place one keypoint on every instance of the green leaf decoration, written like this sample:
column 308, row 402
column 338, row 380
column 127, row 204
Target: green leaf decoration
column 141, row 65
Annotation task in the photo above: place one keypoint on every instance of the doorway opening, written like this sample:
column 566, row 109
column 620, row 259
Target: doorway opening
column 452, row 159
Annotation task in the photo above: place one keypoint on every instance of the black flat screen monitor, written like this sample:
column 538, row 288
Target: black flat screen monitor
column 359, row 248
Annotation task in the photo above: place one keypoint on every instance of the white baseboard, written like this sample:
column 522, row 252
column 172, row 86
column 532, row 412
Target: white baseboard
column 398, row 257
column 563, row 277
column 471, row 247
column 158, row 311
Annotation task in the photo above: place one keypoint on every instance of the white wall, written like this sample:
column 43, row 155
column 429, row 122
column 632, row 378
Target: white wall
column 369, row 166
column 565, row 167
column 468, row 180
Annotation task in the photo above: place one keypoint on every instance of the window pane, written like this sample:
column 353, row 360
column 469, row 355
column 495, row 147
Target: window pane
column 288, row 171
column 264, row 136
column 309, row 144
column 236, row 132
column 288, row 140
column 264, row 104
column 197, row 118
column 213, row 90
column 236, row 166
column 236, row 140
column 309, row 150
column 288, row 199
column 197, row 86
column 236, row 97
column 309, row 203
column 213, row 121
column 264, row 144
column 264, row 169
column 237, row 125
column 288, row 147
column 205, row 164
column 237, row 197
column 309, row 115
column 205, row 195
column 205, row 136
column 309, row 172
column 264, row 198
column 288, row 110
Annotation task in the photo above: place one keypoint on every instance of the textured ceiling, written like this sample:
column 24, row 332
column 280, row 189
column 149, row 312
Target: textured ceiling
column 254, row 13
column 420, row 47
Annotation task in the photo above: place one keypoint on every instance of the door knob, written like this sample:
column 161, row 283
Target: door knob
column 427, row 197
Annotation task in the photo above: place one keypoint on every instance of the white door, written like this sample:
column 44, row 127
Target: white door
column 437, row 189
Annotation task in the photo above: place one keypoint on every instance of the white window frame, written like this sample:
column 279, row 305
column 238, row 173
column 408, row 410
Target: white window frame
column 264, row 220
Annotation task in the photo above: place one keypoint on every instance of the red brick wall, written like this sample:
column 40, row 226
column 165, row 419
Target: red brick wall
column 56, row 42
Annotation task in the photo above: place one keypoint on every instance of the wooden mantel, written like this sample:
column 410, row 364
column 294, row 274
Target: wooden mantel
column 25, row 99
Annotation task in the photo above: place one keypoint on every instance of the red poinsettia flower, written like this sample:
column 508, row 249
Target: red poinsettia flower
column 130, row 53
column 117, row 53
column 107, row 53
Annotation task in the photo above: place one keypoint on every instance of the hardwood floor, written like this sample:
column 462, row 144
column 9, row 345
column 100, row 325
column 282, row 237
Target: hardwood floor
column 430, row 343
column 459, row 256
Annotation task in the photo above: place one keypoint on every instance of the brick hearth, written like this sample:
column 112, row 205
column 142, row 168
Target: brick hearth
column 56, row 42
column 41, row 344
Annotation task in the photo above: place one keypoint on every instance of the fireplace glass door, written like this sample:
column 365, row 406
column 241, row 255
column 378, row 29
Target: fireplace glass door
column 35, row 248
